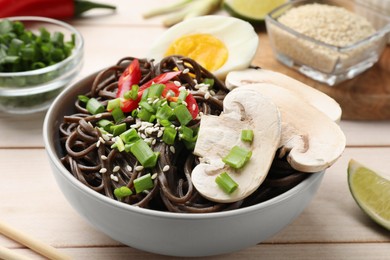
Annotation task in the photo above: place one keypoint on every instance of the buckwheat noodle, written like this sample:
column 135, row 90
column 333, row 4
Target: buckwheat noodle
column 86, row 152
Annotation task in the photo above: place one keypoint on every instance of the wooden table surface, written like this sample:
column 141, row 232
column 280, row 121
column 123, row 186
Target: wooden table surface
column 331, row 227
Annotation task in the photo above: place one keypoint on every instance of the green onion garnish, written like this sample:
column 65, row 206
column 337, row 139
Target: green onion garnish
column 164, row 113
column 130, row 136
column 122, row 192
column 133, row 93
column 118, row 144
column 226, row 183
column 182, row 114
column 169, row 135
column 247, row 135
column 144, row 154
column 142, row 183
column 94, row 106
column 156, row 90
column 117, row 114
column 237, row 157
column 83, row 98
column 118, row 129
column 105, row 124
column 113, row 103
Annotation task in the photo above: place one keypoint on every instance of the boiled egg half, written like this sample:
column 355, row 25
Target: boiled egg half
column 220, row 44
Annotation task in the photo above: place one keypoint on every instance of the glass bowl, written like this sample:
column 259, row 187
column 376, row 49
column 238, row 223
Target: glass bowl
column 33, row 91
column 324, row 62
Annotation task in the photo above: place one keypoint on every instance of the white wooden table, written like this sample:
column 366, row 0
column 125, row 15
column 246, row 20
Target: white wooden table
column 331, row 227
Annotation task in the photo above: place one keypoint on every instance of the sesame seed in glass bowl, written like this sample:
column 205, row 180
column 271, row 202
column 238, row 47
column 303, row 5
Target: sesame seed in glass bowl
column 328, row 41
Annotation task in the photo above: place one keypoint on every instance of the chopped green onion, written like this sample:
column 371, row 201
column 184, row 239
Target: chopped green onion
column 226, row 183
column 164, row 113
column 156, row 90
column 247, row 135
column 94, row 106
column 83, row 98
column 182, row 114
column 144, row 154
column 118, row 144
column 117, row 114
column 147, row 106
column 237, row 157
column 118, row 129
column 122, row 192
column 113, row 103
column 169, row 135
column 165, row 122
column 209, row 82
column 133, row 93
column 144, row 115
column 182, row 95
column 130, row 136
column 186, row 133
column 105, row 124
column 144, row 182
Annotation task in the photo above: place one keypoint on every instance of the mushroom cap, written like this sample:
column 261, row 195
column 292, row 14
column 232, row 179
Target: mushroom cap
column 312, row 140
column 243, row 109
column 311, row 95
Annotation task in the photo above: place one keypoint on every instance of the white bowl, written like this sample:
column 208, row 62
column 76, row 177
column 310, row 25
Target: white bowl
column 167, row 233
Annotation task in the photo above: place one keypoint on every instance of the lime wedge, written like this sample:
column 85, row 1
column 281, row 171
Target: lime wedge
column 251, row 10
column 371, row 192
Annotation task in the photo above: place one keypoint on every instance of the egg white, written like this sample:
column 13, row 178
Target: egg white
column 239, row 37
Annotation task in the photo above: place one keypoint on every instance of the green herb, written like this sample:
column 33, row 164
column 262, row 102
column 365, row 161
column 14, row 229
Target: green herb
column 24, row 50
column 133, row 93
column 118, row 129
column 144, row 182
column 113, row 103
column 122, row 192
column 83, row 98
column 247, row 135
column 182, row 114
column 169, row 135
column 144, row 154
column 237, row 157
column 226, row 183
column 94, row 106
column 130, row 136
column 117, row 114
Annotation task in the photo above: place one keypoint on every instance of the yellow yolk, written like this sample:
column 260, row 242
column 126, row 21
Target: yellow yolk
column 207, row 50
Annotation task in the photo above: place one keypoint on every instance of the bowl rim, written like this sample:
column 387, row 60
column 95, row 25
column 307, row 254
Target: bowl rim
column 380, row 33
column 49, row 144
column 78, row 47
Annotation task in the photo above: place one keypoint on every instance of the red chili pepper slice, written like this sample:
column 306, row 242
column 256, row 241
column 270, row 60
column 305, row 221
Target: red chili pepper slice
column 129, row 105
column 130, row 76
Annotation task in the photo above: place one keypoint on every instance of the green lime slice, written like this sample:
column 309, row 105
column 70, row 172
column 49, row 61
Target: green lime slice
column 251, row 10
column 371, row 192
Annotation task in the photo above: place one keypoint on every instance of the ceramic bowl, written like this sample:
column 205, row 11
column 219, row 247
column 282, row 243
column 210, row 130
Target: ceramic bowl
column 33, row 91
column 167, row 233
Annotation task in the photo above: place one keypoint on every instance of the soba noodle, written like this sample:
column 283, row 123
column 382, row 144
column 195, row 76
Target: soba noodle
column 88, row 155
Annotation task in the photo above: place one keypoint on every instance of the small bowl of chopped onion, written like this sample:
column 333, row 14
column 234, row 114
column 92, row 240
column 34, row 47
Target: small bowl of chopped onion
column 125, row 158
column 329, row 41
column 39, row 57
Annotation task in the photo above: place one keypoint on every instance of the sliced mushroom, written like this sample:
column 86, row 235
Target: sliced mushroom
column 243, row 109
column 316, row 98
column 312, row 140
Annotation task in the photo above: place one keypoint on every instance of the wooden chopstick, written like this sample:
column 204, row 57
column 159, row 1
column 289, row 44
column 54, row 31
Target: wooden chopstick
column 8, row 254
column 36, row 245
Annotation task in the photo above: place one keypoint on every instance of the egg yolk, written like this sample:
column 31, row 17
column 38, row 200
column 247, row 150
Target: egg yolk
column 207, row 50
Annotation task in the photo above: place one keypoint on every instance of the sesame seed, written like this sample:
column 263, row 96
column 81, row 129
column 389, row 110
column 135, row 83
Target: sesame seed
column 106, row 137
column 114, row 178
column 154, row 176
column 207, row 95
column 143, row 136
column 155, row 101
column 102, row 140
column 149, row 130
column 136, row 125
column 184, row 103
column 160, row 133
column 98, row 143
column 212, row 92
column 103, row 170
column 103, row 157
column 186, row 70
column 139, row 168
column 182, row 88
column 177, row 83
column 129, row 168
column 172, row 149
column 90, row 124
column 166, row 168
column 153, row 141
column 116, row 169
column 98, row 116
